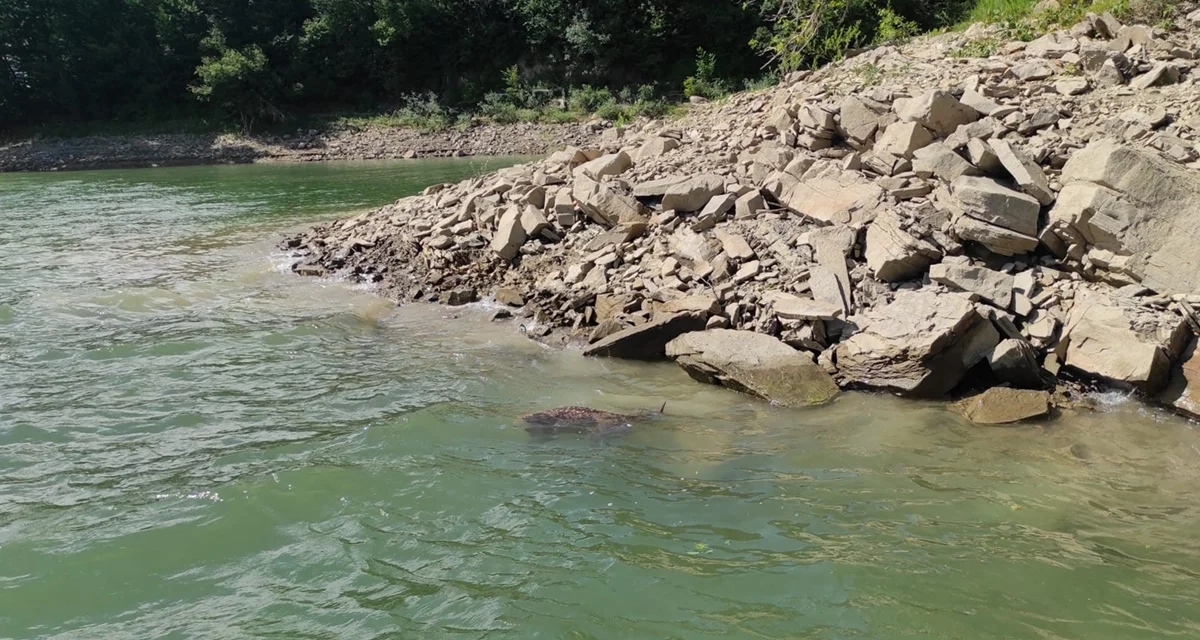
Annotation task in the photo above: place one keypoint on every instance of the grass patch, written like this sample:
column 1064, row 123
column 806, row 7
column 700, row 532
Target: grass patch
column 977, row 48
column 1020, row 21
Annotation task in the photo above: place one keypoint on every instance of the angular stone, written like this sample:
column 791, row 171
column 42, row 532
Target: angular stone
column 755, row 364
column 792, row 307
column 655, row 147
column 533, row 221
column 747, row 206
column 831, row 199
column 510, row 234
column 1072, row 86
column 1156, row 219
column 1024, row 170
column 938, row 111
column 993, row 286
column 920, row 345
column 692, row 194
column 648, row 341
column 1014, row 362
column 605, row 206
column 894, row 254
column 1001, row 405
column 902, row 139
column 981, row 155
column 996, row 239
column 859, row 122
column 1161, row 74
column 1031, row 71
column 735, row 245
column 1102, row 343
column 943, row 162
column 609, row 165
column 989, row 201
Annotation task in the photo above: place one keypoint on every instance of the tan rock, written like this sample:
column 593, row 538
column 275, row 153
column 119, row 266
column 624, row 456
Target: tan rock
column 755, row 364
column 1001, row 405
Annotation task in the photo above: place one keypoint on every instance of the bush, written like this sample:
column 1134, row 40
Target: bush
column 587, row 99
column 499, row 108
column 423, row 111
column 705, row 83
column 894, row 28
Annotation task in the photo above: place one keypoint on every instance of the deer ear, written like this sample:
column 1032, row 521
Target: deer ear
column 663, row 409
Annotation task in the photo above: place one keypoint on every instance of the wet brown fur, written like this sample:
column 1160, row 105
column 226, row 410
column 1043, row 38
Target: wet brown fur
column 580, row 420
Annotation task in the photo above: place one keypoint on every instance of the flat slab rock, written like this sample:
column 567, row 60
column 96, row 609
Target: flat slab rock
column 1001, row 405
column 753, row 363
column 648, row 341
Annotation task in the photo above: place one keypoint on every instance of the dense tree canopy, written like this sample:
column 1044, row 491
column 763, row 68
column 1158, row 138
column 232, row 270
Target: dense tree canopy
column 254, row 60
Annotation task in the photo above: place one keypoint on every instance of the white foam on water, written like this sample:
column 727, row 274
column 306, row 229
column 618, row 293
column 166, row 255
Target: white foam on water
column 1111, row 400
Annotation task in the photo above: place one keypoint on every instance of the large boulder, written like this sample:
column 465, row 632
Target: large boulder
column 753, row 363
column 1001, row 405
column 648, row 341
column 1148, row 209
column 1111, row 340
column 920, row 345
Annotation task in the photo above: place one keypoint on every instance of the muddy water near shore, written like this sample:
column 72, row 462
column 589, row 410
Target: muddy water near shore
column 196, row 443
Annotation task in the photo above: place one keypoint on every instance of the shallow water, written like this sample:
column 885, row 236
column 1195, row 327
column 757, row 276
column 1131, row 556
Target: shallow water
column 196, row 443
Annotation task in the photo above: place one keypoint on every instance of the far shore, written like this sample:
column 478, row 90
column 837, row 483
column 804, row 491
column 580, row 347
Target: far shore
column 368, row 143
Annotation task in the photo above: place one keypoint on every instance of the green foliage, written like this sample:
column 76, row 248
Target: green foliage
column 763, row 82
column 238, row 81
column 894, row 28
column 705, row 82
column 977, row 48
column 587, row 99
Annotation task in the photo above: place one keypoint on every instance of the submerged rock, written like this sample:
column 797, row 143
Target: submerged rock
column 1001, row 405
column 755, row 364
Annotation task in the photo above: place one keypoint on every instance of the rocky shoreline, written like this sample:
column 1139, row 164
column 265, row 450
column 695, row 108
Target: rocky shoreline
column 371, row 143
column 997, row 231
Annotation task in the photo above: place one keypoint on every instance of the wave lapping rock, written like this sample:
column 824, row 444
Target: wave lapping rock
column 909, row 221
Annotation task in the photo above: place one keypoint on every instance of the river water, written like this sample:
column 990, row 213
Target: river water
column 196, row 443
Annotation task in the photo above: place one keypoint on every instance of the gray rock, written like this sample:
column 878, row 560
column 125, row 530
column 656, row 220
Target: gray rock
column 609, row 165
column 1160, row 74
column 1183, row 392
column 755, row 364
column 989, row 201
column 605, row 206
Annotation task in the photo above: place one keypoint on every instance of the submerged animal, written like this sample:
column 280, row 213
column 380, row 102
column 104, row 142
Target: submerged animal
column 583, row 420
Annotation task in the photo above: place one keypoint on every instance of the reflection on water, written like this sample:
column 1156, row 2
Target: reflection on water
column 194, row 443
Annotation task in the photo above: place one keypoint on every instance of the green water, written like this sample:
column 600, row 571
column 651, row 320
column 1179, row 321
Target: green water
column 195, row 443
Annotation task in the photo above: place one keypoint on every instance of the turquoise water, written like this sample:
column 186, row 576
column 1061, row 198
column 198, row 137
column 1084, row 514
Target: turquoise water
column 196, row 443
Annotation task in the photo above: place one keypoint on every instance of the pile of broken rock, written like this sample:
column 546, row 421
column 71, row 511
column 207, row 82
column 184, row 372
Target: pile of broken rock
column 935, row 227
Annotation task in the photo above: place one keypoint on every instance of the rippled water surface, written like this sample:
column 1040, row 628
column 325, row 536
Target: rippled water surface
column 195, row 443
